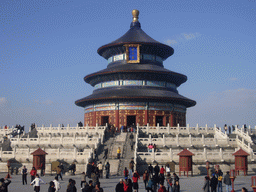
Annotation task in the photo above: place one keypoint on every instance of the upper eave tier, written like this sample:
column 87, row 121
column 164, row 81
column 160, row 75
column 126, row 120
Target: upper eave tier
column 136, row 72
column 135, row 35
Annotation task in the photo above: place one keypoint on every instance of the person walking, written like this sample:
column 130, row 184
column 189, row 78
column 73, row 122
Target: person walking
column 135, row 178
column 219, row 176
column 107, row 168
column 4, row 184
column 206, row 187
column 175, row 177
column 62, row 168
column 151, row 185
column 100, row 168
column 167, row 169
column 24, row 173
column 162, row 171
column 105, row 154
column 176, row 187
column 51, row 187
column 33, row 173
column 162, row 188
column 83, row 179
column 125, row 173
column 213, row 183
column 120, row 186
column 131, row 167
column 118, row 153
column 145, row 178
column 36, row 183
column 58, row 171
column 169, row 182
column 156, row 169
column 150, row 170
column 56, row 184
column 227, row 182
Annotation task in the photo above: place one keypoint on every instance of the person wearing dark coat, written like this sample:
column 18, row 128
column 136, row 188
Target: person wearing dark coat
column 213, row 183
column 89, row 170
column 51, row 187
column 4, row 184
column 227, row 181
column 206, row 187
column 71, row 186
column 156, row 169
column 176, row 187
column 120, row 186
column 150, row 170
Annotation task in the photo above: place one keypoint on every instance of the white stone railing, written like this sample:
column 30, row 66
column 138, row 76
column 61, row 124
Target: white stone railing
column 200, row 156
column 65, row 141
column 72, row 130
column 220, row 134
column 176, row 130
column 241, row 132
column 24, row 155
column 4, row 131
column 186, row 141
column 136, row 146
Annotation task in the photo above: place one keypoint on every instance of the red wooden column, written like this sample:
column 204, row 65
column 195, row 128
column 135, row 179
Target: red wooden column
column 117, row 118
column 94, row 118
column 172, row 120
column 39, row 158
column 146, row 117
column 185, row 161
column 241, row 163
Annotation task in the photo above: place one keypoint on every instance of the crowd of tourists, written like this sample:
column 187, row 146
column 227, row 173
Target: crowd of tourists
column 155, row 179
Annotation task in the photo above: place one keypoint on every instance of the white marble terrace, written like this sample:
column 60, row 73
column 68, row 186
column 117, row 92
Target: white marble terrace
column 219, row 147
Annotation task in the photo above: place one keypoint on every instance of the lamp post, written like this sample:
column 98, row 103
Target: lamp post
column 8, row 166
column 207, row 167
column 254, row 183
column 232, row 177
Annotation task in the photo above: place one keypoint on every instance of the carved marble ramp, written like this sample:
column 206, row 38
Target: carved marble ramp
column 114, row 163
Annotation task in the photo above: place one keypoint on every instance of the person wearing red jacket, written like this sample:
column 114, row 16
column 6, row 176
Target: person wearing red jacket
column 33, row 173
column 125, row 173
column 162, row 171
column 135, row 178
column 162, row 188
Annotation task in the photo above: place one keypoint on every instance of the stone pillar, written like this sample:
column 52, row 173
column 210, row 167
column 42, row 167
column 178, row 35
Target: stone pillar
column 188, row 129
column 221, row 154
column 190, row 140
column 171, row 155
column 168, row 128
column 177, row 140
column 172, row 119
column 203, row 141
column 205, row 154
column 163, row 140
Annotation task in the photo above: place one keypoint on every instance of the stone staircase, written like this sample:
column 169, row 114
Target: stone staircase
column 112, row 143
column 127, row 155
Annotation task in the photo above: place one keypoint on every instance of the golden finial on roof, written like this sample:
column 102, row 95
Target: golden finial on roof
column 135, row 14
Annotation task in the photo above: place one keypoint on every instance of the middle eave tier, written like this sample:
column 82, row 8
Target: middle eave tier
column 136, row 72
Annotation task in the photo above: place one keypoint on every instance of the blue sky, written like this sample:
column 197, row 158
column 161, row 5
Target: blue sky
column 48, row 46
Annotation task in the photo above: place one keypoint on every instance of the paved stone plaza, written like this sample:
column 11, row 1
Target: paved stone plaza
column 187, row 184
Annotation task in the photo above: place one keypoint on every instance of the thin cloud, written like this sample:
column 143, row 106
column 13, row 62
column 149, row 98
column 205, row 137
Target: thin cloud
column 45, row 102
column 235, row 106
column 183, row 37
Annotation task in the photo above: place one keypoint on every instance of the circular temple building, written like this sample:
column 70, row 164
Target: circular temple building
column 135, row 88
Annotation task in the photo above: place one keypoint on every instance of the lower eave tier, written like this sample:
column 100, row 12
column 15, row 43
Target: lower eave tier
column 132, row 94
